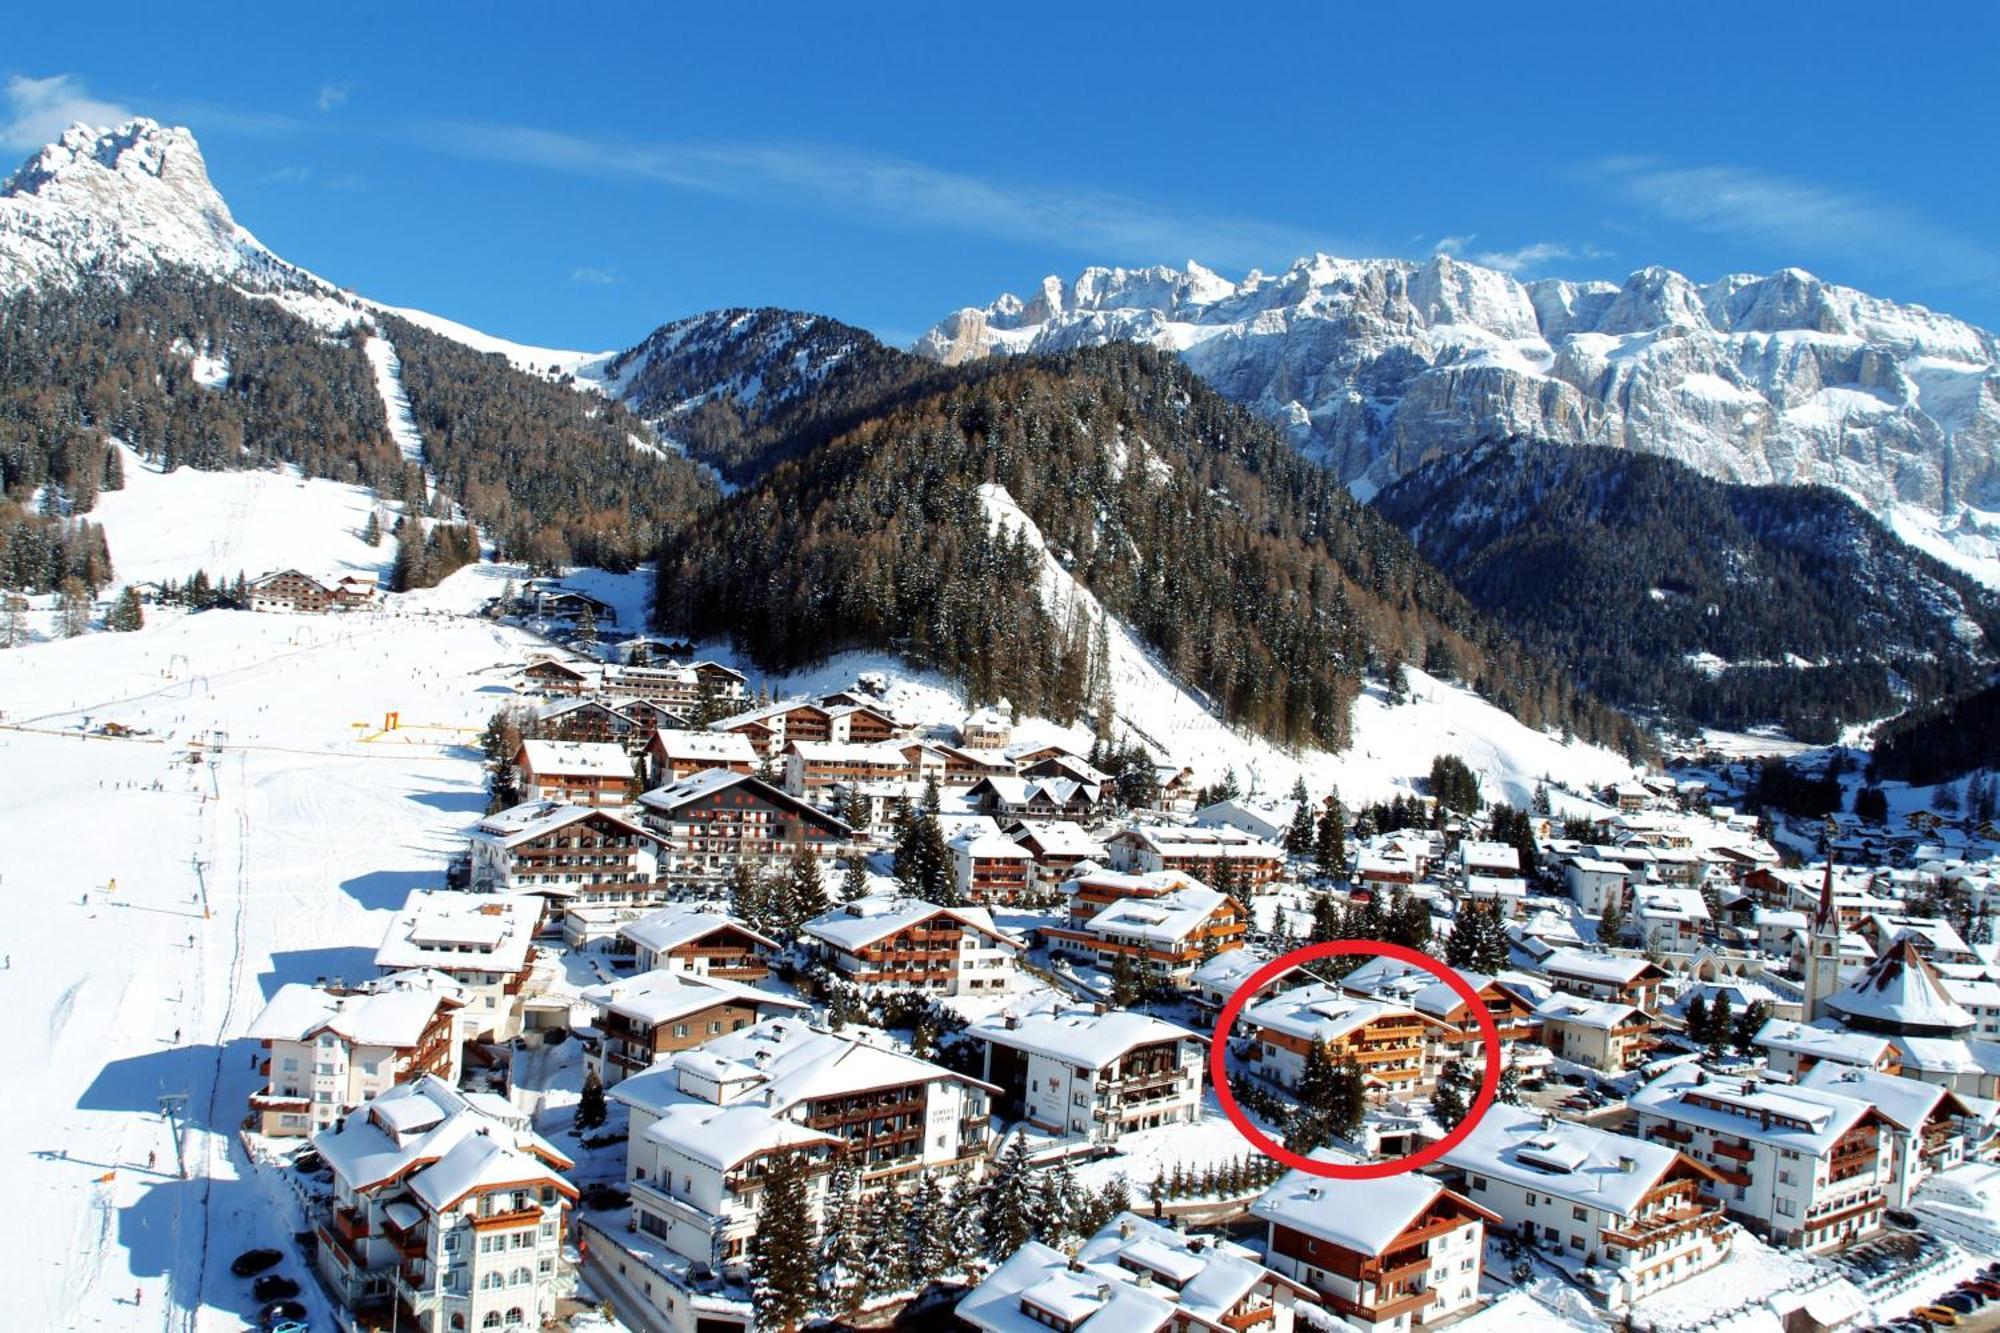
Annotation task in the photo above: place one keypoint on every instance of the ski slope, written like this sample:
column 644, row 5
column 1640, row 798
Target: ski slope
column 167, row 525
column 277, row 862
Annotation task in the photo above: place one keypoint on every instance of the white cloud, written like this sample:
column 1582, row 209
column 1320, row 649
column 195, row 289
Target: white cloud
column 39, row 110
column 1453, row 245
column 895, row 191
column 1803, row 218
column 1526, row 257
column 595, row 277
column 331, row 95
column 293, row 175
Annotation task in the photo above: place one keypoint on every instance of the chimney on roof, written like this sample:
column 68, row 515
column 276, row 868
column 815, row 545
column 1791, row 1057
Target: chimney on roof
column 1145, row 1278
column 1312, row 1191
column 1124, row 1230
column 1013, row 1021
column 1104, row 1292
column 1626, row 1165
column 1100, row 1008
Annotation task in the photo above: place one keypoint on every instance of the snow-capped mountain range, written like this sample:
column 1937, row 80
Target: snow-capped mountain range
column 1378, row 365
column 1373, row 366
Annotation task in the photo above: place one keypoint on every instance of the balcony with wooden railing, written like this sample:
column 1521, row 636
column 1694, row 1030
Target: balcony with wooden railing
column 350, row 1224
column 1244, row 1320
column 1737, row 1178
column 1666, row 1225
column 1384, row 1308
column 1740, row 1152
column 1853, row 1157
column 1671, row 1134
column 511, row 1217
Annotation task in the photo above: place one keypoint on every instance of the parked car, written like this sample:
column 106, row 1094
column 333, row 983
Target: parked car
column 252, row 1262
column 274, row 1287
column 1901, row 1217
column 1937, row 1314
column 278, row 1313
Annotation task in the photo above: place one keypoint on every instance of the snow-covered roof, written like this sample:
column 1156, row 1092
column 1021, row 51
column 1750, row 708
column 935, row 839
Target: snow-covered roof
column 1229, row 968
column 884, row 754
column 729, row 747
column 671, row 927
column 414, row 1129
column 593, row 759
column 1564, row 1158
column 1188, row 1279
column 1899, row 993
column 1602, row 1015
column 1079, row 1034
column 856, row 925
column 1197, row 843
column 1604, row 968
column 1808, row 1120
column 1823, row 1043
column 1171, row 916
column 1492, row 886
column 723, row 1136
column 989, row 845
column 1656, row 903
column 1591, row 865
column 1322, row 1012
column 1907, row 1102
column 658, row 996
column 1489, row 856
column 523, row 823
column 396, row 1018
column 1362, row 1216
column 1058, row 837
column 453, row 932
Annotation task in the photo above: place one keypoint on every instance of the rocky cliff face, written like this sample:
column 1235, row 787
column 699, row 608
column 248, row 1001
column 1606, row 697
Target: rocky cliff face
column 1377, row 366
column 131, row 199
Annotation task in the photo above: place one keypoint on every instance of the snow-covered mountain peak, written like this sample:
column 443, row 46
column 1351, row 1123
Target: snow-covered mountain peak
column 1376, row 365
column 128, row 199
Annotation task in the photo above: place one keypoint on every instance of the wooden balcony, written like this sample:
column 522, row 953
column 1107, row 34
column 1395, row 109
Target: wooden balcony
column 1740, row 1152
column 516, row 1217
column 1666, row 1225
column 349, row 1224
column 1384, row 1310
column 1244, row 1320
column 1671, row 1134
column 1738, row 1178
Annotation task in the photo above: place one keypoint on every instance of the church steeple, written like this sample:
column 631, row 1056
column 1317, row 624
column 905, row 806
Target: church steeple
column 1823, row 950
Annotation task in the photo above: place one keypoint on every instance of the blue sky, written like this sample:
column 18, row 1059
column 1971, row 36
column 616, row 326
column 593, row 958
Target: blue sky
column 575, row 176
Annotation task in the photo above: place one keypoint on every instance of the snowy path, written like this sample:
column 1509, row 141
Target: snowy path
column 388, row 368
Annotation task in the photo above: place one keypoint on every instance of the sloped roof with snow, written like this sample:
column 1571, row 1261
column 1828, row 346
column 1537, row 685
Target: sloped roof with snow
column 452, row 931
column 523, row 823
column 1608, row 969
column 414, row 1127
column 662, row 995
column 671, row 927
column 594, row 759
column 858, row 924
column 1085, row 1302
column 1364, row 1216
column 1322, row 1012
column 1907, row 1102
column 1808, row 1120
column 1898, row 993
column 1079, row 1034
column 298, row 1012
column 1171, row 916
column 1823, row 1043
column 1562, row 1157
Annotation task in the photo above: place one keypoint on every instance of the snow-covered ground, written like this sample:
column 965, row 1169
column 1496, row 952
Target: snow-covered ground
column 168, row 525
column 275, row 862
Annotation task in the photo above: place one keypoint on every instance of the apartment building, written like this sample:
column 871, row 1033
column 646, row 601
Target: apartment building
column 448, row 1212
column 1390, row 1042
column 889, row 941
column 575, row 772
column 1586, row 1197
column 654, row 1014
column 1383, row 1254
column 327, row 1049
column 707, row 944
column 1092, row 1073
column 562, row 850
column 482, row 941
column 1803, row 1166
column 1166, row 935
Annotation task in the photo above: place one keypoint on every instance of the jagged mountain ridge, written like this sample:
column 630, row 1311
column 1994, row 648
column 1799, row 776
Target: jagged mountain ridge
column 744, row 389
column 1376, row 366
column 1698, row 600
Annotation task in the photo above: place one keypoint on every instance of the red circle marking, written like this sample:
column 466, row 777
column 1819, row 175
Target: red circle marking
column 1218, row 1059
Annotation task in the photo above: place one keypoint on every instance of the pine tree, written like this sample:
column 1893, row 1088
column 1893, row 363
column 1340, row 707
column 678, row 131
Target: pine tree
column 590, row 1108
column 1755, row 1015
column 1611, row 925
column 1721, row 1025
column 1128, row 988
column 1448, row 1103
column 371, row 531
column 1478, row 942
column 968, row 1226
column 854, row 883
column 841, row 1255
column 1010, row 1201
column 1330, row 843
column 126, row 614
column 929, row 1255
column 1350, row 1102
column 1299, row 837
column 1543, row 806
column 805, row 890
column 13, row 619
column 747, row 900
column 1695, row 1014
column 784, row 1265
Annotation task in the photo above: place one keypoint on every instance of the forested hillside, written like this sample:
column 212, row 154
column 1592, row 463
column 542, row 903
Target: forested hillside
column 1252, row 573
column 744, row 390
column 552, row 476
column 1940, row 741
column 1719, row 604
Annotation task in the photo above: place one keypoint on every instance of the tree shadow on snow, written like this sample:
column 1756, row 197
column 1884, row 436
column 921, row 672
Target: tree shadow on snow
column 134, row 1084
column 461, row 801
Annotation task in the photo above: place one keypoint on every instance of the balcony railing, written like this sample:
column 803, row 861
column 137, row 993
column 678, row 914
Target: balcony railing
column 1741, row 1152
